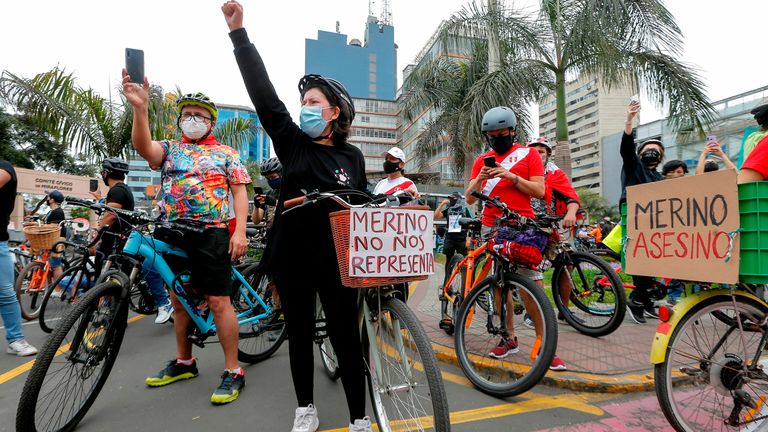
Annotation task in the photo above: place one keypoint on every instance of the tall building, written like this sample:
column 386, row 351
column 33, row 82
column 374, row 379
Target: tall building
column 593, row 111
column 367, row 69
column 733, row 124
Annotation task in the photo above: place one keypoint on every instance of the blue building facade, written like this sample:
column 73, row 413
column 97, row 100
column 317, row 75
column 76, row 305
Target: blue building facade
column 258, row 148
column 367, row 70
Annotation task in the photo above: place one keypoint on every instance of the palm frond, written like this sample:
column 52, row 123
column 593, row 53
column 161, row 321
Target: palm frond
column 236, row 132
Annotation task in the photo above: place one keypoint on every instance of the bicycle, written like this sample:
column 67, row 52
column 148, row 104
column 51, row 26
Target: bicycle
column 404, row 380
column 460, row 275
column 324, row 346
column 34, row 279
column 587, row 291
column 710, row 362
column 484, row 314
column 85, row 344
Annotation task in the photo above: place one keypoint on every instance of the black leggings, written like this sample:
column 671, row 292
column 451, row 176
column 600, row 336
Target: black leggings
column 297, row 297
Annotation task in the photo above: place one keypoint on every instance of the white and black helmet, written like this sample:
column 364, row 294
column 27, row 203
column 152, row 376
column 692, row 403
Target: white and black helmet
column 270, row 165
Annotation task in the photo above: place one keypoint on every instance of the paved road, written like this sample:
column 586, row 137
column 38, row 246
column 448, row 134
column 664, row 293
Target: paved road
column 267, row 403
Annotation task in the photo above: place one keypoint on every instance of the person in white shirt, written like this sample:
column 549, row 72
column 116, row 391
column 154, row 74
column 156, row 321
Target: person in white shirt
column 394, row 162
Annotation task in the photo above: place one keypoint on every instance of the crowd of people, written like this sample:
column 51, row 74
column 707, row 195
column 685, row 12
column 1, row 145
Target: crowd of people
column 204, row 184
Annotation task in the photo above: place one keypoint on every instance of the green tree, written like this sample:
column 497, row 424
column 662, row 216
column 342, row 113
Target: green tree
column 621, row 42
column 89, row 124
column 596, row 205
column 455, row 91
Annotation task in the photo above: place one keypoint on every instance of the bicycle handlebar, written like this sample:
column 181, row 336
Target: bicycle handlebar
column 133, row 217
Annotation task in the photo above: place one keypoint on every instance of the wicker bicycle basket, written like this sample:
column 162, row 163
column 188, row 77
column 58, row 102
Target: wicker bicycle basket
column 340, row 228
column 42, row 237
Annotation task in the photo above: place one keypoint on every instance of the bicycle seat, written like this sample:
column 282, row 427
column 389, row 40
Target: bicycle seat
column 470, row 223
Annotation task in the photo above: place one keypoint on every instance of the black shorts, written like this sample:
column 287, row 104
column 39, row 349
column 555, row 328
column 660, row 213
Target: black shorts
column 209, row 260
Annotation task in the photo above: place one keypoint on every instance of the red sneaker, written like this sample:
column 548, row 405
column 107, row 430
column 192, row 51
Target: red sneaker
column 557, row 364
column 504, row 348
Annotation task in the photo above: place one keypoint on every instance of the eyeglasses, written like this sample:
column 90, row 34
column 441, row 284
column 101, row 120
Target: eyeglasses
column 196, row 117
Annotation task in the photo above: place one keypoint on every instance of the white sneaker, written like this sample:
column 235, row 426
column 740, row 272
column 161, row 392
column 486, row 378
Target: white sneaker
column 21, row 348
column 361, row 425
column 306, row 419
column 164, row 313
column 57, row 294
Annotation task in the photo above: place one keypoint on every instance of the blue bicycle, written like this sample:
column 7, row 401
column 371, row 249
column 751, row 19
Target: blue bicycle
column 75, row 362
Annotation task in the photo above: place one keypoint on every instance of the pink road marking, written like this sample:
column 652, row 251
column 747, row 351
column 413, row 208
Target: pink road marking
column 637, row 415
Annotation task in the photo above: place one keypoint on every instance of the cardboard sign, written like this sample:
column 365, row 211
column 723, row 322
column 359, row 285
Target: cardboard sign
column 390, row 242
column 684, row 228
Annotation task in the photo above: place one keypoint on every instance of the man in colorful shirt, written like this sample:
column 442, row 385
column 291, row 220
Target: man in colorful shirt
column 198, row 174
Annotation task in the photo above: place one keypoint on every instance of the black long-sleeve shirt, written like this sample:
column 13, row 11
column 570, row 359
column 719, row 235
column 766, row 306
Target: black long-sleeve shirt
column 301, row 240
column 633, row 171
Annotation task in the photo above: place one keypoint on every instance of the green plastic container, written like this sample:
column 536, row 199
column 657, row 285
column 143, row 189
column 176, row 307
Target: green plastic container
column 753, row 208
column 623, row 222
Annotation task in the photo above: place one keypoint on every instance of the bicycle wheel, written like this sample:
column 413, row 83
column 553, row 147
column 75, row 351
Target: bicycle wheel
column 30, row 286
column 597, row 302
column 73, row 283
column 404, row 380
column 713, row 377
column 450, row 308
column 327, row 354
column 74, row 363
column 257, row 340
column 479, row 331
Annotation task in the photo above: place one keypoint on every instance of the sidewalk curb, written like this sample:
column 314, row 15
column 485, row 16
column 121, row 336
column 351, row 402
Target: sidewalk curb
column 580, row 381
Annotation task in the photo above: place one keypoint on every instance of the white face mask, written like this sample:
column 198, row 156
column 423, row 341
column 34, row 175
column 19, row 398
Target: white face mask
column 193, row 129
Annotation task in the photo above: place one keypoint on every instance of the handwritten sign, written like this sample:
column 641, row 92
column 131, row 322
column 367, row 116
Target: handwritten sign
column 394, row 242
column 685, row 228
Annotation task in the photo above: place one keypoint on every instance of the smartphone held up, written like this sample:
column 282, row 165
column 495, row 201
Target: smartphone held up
column 712, row 141
column 134, row 64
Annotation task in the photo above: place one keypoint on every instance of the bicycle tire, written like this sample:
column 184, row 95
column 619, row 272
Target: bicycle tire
column 596, row 318
column 717, row 373
column 30, row 301
column 435, row 396
column 324, row 345
column 447, row 307
column 473, row 341
column 257, row 341
column 89, row 313
column 59, row 307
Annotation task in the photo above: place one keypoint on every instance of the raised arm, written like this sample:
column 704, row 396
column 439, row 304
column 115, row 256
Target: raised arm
column 627, row 149
column 272, row 112
column 138, row 96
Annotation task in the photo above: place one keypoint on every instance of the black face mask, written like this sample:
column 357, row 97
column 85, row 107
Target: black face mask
column 501, row 144
column 390, row 167
column 650, row 157
column 452, row 201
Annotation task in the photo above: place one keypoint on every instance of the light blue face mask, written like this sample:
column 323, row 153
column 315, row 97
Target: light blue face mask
column 311, row 121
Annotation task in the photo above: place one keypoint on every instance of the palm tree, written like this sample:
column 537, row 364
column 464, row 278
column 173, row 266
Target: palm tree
column 94, row 126
column 622, row 42
column 455, row 91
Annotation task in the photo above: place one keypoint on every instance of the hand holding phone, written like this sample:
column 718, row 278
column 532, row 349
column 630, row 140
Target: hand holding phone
column 490, row 161
column 94, row 185
column 712, row 141
column 634, row 99
column 257, row 190
column 134, row 64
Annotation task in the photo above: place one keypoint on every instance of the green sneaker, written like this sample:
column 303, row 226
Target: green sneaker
column 229, row 390
column 173, row 372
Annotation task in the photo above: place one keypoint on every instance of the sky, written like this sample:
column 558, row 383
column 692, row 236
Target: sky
column 186, row 42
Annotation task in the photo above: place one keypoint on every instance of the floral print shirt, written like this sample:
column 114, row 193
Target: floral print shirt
column 196, row 180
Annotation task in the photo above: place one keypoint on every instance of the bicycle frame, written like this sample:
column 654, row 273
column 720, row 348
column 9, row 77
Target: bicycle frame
column 665, row 330
column 469, row 263
column 36, row 283
column 148, row 248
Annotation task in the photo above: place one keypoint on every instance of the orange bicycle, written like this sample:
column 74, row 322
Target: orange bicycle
column 33, row 280
column 461, row 273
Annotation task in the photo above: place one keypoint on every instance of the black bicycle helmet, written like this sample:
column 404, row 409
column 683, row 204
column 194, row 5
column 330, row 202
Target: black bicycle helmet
column 650, row 141
column 500, row 117
column 198, row 99
column 335, row 87
column 114, row 165
column 56, row 196
column 270, row 166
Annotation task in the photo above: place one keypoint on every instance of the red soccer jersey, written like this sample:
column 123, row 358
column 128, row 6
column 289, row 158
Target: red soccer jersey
column 758, row 159
column 523, row 161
